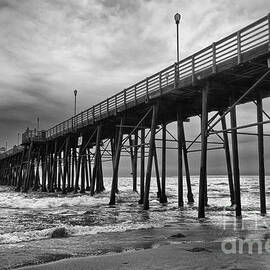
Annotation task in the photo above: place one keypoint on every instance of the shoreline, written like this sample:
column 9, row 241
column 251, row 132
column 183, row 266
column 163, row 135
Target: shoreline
column 172, row 247
column 173, row 256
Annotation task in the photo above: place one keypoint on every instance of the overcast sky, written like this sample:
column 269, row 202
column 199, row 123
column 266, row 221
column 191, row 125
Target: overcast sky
column 50, row 47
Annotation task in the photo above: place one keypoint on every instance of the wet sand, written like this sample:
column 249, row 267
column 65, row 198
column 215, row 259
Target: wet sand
column 175, row 247
column 174, row 256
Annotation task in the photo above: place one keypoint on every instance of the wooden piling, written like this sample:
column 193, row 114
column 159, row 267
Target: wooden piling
column 89, row 167
column 86, row 171
column 157, row 172
column 65, row 165
column 59, row 172
column 203, row 169
column 54, row 167
column 82, row 190
column 228, row 158
column 235, row 163
column 150, row 156
column 44, row 169
column 37, row 177
column 135, row 157
column 74, row 165
column 116, row 160
column 180, row 162
column 163, row 197
column 20, row 176
column 69, row 170
column 100, row 184
column 78, row 167
column 50, row 171
column 27, row 179
column 183, row 139
column 96, row 160
column 261, row 154
column 142, row 166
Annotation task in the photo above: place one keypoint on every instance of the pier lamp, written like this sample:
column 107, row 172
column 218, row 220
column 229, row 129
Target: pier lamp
column 177, row 18
column 75, row 101
column 37, row 123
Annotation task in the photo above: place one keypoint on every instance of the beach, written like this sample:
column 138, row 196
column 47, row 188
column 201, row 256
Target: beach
column 125, row 236
column 168, row 257
column 191, row 249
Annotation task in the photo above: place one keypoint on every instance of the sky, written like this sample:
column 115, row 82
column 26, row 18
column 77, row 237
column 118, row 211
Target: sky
column 48, row 48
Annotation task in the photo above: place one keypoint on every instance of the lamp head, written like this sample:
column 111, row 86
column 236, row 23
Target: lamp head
column 177, row 18
column 75, row 92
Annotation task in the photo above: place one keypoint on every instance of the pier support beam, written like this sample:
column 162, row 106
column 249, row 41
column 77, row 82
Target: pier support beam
column 89, row 167
column 59, row 173
column 150, row 157
column 28, row 170
column 74, row 167
column 96, row 161
column 50, row 170
column 54, row 170
column 20, row 175
column 180, row 161
column 37, row 178
column 116, row 160
column 78, row 167
column 228, row 158
column 134, row 163
column 44, row 168
column 157, row 172
column 69, row 170
column 86, row 171
column 65, row 165
column 235, row 163
column 189, row 189
column 142, row 166
column 163, row 197
column 261, row 154
column 83, row 163
column 203, row 169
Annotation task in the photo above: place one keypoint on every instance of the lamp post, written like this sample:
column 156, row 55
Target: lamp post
column 75, row 101
column 177, row 18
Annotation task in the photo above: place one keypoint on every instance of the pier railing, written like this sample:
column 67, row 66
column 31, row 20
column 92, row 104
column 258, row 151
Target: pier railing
column 229, row 51
column 33, row 135
column 14, row 150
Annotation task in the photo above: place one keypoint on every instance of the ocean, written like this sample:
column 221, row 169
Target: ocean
column 27, row 220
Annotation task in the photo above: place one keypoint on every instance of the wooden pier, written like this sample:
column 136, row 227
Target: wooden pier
column 69, row 157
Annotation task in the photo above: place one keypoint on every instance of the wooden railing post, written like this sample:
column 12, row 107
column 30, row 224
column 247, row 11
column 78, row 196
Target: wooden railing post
column 93, row 113
column 147, row 90
column 87, row 116
column 193, row 68
column 108, row 106
column 214, row 69
column 125, row 98
column 135, row 93
column 160, row 83
column 238, row 47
